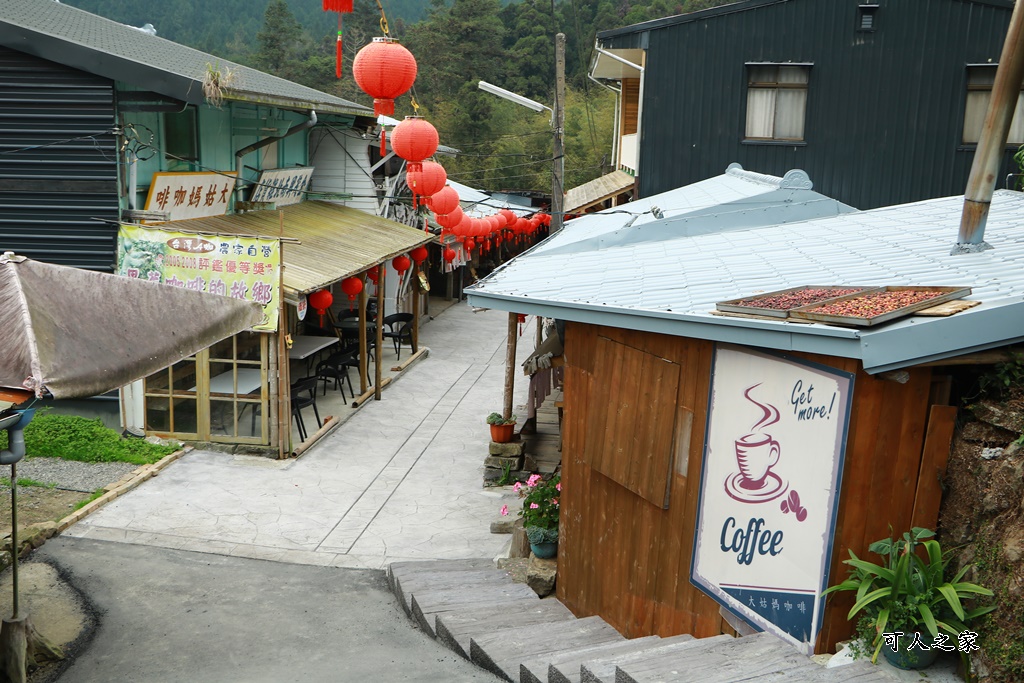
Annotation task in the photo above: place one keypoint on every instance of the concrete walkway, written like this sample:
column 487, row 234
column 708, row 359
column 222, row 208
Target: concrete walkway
column 400, row 480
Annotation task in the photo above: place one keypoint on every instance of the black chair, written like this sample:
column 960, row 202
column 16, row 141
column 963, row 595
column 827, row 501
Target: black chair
column 403, row 335
column 336, row 367
column 304, row 395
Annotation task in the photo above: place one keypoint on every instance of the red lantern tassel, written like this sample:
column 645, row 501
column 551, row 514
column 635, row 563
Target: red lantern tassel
column 383, row 145
column 337, row 51
column 426, row 225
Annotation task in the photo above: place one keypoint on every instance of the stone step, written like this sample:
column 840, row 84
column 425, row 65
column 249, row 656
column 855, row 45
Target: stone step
column 468, row 580
column 500, row 652
column 760, row 657
column 426, row 605
column 602, row 670
column 538, row 670
column 413, row 567
column 568, row 668
column 456, row 629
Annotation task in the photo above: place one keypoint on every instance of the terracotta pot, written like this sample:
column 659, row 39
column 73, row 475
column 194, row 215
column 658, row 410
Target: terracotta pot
column 502, row 433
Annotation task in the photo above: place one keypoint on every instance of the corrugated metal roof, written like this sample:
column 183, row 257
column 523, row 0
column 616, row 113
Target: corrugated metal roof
column 671, row 286
column 70, row 36
column 597, row 190
column 735, row 199
column 335, row 241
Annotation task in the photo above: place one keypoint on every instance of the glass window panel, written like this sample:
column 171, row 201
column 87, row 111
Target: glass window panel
column 763, row 74
column 974, row 115
column 981, row 76
column 760, row 112
column 789, row 114
column 793, row 74
column 1016, row 136
column 183, row 375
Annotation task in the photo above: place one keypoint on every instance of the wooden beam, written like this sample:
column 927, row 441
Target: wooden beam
column 409, row 361
column 369, row 393
column 510, row 364
column 980, row 358
column 379, row 343
column 415, row 307
column 938, row 441
column 362, row 337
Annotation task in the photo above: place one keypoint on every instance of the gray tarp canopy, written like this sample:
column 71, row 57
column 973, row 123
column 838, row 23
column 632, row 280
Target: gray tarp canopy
column 76, row 333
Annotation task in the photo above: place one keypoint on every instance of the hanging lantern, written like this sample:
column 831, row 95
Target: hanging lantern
column 425, row 181
column 510, row 217
column 451, row 219
column 419, row 254
column 401, row 264
column 351, row 286
column 339, row 6
column 464, row 226
column 373, row 274
column 448, row 255
column 321, row 300
column 414, row 139
column 468, row 244
column 383, row 69
column 444, row 200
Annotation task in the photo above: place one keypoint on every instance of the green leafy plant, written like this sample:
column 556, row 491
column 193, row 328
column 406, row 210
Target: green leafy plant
column 498, row 419
column 76, row 438
column 506, row 474
column 541, row 507
column 909, row 593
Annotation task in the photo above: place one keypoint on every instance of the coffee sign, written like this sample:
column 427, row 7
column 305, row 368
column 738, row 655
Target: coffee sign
column 773, row 462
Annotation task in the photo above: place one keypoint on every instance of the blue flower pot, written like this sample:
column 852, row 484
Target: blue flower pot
column 544, row 551
column 902, row 658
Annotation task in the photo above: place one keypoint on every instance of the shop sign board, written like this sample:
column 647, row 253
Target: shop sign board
column 191, row 195
column 769, row 491
column 247, row 268
column 282, row 186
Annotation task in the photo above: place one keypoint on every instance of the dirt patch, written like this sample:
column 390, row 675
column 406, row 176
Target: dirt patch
column 37, row 504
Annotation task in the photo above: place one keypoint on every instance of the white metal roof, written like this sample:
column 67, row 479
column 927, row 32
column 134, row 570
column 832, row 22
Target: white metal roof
column 671, row 285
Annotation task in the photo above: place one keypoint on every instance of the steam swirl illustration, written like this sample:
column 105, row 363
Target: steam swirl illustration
column 771, row 413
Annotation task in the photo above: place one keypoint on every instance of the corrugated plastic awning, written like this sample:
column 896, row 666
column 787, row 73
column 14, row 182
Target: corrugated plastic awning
column 597, row 190
column 334, row 241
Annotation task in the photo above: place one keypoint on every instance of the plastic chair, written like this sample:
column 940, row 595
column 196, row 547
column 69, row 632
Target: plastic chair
column 308, row 386
column 336, row 367
column 403, row 335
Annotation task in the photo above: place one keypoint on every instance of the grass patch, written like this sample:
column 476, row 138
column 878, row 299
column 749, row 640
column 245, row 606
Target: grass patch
column 76, row 438
column 95, row 494
column 25, row 481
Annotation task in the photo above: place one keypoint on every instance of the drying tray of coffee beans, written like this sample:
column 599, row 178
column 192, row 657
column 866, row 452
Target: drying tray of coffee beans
column 877, row 306
column 779, row 304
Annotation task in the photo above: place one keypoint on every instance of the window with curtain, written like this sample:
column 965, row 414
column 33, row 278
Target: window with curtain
column 979, row 92
column 776, row 101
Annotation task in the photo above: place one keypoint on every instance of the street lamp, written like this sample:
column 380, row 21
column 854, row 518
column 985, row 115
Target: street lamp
column 557, row 123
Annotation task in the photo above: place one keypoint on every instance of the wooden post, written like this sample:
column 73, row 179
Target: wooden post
column 284, row 394
column 379, row 343
column 415, row 307
column 510, row 364
column 362, row 337
column 540, row 331
column 558, row 116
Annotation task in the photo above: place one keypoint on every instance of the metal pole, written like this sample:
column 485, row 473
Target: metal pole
column 558, row 170
column 985, row 167
column 14, row 535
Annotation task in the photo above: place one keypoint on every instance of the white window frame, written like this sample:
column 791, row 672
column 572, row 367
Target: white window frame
column 776, row 102
column 979, row 79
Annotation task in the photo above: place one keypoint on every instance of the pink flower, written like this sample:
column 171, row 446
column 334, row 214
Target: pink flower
column 554, row 501
column 532, row 481
column 558, row 486
column 516, row 486
column 534, row 506
column 504, row 510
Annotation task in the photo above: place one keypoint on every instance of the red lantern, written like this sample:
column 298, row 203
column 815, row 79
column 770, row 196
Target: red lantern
column 351, row 286
column 384, row 70
column 510, row 217
column 401, row 264
column 425, row 181
column 451, row 219
column 444, row 200
column 449, row 255
column 321, row 300
column 464, row 227
column 469, row 244
column 414, row 139
column 373, row 274
column 419, row 254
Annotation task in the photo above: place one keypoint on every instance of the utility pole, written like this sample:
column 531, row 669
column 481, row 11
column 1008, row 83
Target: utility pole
column 558, row 123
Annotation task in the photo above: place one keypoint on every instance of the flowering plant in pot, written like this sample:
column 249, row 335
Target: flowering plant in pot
column 909, row 611
column 540, row 512
column 502, row 428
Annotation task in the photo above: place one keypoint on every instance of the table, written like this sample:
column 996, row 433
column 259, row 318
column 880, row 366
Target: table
column 304, row 347
column 249, row 381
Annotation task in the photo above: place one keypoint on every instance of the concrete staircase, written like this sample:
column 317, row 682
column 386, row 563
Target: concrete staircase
column 480, row 613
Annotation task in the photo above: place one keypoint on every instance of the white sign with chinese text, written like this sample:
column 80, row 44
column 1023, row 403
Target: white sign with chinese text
column 191, row 195
column 282, row 186
column 773, row 460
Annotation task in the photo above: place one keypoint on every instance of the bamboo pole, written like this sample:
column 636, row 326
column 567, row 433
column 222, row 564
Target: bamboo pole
column 415, row 307
column 379, row 342
column 283, row 402
column 14, row 535
column 362, row 337
column 510, row 363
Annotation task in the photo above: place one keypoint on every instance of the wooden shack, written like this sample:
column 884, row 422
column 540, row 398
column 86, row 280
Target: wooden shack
column 655, row 379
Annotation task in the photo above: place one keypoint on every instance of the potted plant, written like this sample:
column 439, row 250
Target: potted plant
column 502, row 429
column 909, row 595
column 540, row 512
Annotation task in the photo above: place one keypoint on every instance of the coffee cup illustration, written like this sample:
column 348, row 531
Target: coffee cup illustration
column 756, row 454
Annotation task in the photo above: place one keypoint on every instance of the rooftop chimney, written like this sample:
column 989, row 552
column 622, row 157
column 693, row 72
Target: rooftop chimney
column 982, row 181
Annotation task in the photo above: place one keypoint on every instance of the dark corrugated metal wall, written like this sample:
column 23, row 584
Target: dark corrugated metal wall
column 884, row 111
column 50, row 193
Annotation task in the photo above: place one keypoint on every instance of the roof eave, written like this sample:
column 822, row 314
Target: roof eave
column 294, row 104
